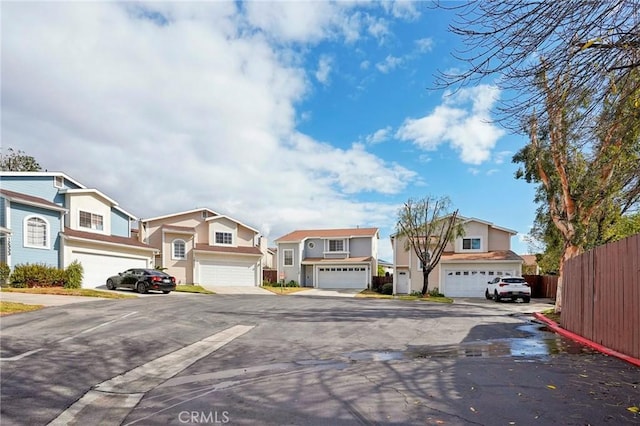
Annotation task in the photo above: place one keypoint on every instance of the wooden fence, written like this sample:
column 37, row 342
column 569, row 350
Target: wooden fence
column 601, row 295
column 270, row 275
column 542, row 286
column 378, row 281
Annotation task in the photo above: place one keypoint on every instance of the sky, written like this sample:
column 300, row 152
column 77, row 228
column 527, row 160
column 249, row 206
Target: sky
column 283, row 115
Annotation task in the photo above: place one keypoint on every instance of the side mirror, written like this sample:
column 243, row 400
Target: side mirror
column 488, row 282
column 120, row 273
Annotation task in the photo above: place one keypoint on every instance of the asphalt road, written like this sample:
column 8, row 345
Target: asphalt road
column 252, row 360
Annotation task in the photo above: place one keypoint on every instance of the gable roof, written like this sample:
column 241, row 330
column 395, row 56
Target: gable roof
column 82, row 188
column 30, row 200
column 301, row 235
column 223, row 216
column 495, row 255
column 109, row 239
column 202, row 209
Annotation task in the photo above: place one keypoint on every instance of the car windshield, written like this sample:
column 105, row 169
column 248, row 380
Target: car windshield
column 514, row 280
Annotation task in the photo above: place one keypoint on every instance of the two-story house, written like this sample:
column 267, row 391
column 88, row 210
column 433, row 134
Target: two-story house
column 52, row 219
column 466, row 265
column 329, row 258
column 203, row 247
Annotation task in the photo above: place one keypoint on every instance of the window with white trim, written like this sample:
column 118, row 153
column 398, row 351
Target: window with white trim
column 91, row 221
column 287, row 256
column 224, row 238
column 336, row 245
column 179, row 250
column 36, row 232
column 471, row 243
column 58, row 181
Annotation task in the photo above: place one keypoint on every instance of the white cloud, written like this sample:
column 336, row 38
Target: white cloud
column 473, row 170
column 324, row 69
column 466, row 129
column 185, row 105
column 379, row 135
column 389, row 64
column 424, row 44
column 498, row 157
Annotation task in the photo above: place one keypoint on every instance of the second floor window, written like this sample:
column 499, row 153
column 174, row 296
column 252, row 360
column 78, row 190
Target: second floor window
column 91, row 221
column 336, row 245
column 471, row 243
column 179, row 249
column 224, row 238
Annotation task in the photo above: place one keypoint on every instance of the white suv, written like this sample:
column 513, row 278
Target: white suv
column 513, row 288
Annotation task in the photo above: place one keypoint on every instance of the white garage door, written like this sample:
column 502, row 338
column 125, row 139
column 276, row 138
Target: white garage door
column 469, row 282
column 97, row 268
column 342, row 277
column 227, row 273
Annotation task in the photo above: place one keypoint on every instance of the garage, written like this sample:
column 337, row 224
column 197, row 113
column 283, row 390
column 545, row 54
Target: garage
column 227, row 273
column 469, row 282
column 98, row 267
column 339, row 276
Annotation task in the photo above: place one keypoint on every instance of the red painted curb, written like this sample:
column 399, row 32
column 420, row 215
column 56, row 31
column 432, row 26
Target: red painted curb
column 584, row 341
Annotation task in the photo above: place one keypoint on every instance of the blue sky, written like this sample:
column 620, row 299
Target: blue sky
column 285, row 115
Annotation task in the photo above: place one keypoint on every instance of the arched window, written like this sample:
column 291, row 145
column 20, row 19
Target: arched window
column 179, row 250
column 36, row 232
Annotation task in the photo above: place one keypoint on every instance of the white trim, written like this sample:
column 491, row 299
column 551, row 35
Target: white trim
column 109, row 243
column 223, row 233
column 91, row 215
column 57, row 184
column 47, row 232
column 27, row 174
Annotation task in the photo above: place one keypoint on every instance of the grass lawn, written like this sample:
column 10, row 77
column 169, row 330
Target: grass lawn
column 7, row 308
column 191, row 288
column 284, row 290
column 68, row 292
column 374, row 295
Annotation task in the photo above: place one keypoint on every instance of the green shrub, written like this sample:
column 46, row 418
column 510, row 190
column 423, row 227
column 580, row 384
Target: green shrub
column 36, row 275
column 416, row 293
column 267, row 283
column 435, row 292
column 386, row 288
column 74, row 275
column 5, row 272
column 292, row 283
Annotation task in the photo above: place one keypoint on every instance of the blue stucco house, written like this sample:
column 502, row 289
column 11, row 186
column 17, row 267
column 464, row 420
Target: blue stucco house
column 50, row 218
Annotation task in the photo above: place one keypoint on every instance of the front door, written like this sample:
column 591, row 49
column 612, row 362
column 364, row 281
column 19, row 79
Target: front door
column 403, row 283
column 308, row 276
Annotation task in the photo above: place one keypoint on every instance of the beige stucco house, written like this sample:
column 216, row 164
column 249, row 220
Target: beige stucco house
column 466, row 264
column 203, row 247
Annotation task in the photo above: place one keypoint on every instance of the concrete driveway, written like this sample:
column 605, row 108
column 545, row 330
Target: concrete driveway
column 239, row 290
column 330, row 292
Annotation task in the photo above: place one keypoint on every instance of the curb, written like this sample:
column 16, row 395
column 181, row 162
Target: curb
column 586, row 342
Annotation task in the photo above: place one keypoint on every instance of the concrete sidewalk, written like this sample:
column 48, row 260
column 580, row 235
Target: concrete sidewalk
column 45, row 299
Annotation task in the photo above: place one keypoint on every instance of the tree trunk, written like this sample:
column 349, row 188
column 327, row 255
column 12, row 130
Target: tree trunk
column 425, row 280
column 569, row 252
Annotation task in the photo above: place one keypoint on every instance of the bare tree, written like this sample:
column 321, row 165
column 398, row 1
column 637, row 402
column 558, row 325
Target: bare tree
column 597, row 43
column 427, row 226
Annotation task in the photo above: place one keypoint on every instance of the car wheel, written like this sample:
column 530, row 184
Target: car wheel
column 166, row 291
column 496, row 298
column 487, row 295
column 110, row 285
column 141, row 287
column 526, row 299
